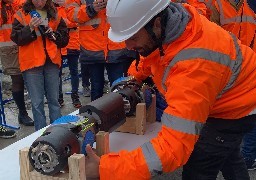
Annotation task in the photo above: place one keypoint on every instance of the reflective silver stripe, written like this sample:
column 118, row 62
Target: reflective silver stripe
column 6, row 26
column 5, row 44
column 65, row 20
column 235, row 67
column 72, row 5
column 208, row 3
column 192, row 53
column 181, row 124
column 76, row 10
column 83, row 2
column 236, row 19
column 154, row 164
column 91, row 22
column 252, row 112
column 21, row 17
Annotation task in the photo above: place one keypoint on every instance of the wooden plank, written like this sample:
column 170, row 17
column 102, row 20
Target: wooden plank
column 34, row 175
column 25, row 166
column 76, row 164
column 127, row 129
column 140, row 118
column 102, row 143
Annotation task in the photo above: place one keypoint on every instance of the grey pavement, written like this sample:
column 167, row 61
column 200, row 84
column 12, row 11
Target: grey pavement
column 12, row 114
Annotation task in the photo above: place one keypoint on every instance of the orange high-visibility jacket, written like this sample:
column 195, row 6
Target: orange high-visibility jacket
column 93, row 32
column 141, row 72
column 200, row 78
column 209, row 4
column 73, row 32
column 6, row 29
column 239, row 19
column 33, row 54
column 200, row 6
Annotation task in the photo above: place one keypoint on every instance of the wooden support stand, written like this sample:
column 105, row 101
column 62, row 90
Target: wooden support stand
column 137, row 124
column 76, row 163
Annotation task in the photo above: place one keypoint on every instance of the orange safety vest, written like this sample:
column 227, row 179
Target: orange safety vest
column 200, row 6
column 200, row 78
column 241, row 22
column 209, row 4
column 6, row 29
column 93, row 32
column 33, row 54
column 73, row 32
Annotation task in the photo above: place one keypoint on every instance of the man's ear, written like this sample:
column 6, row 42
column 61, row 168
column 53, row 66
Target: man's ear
column 157, row 27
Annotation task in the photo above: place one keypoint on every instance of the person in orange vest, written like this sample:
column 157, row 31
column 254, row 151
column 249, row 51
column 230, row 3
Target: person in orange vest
column 97, row 51
column 209, row 87
column 10, row 64
column 238, row 17
column 40, row 33
column 71, row 53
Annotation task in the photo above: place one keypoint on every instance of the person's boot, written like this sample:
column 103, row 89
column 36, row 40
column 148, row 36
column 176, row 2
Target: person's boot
column 86, row 91
column 6, row 133
column 75, row 100
column 24, row 119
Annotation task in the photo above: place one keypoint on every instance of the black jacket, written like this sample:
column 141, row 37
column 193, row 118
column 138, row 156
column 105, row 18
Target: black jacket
column 22, row 35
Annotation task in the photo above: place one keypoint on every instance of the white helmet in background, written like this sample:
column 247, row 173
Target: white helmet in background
column 127, row 17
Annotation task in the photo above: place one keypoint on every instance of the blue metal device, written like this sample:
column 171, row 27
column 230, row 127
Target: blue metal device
column 2, row 113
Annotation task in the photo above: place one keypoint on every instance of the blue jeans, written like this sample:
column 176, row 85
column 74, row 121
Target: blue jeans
column 73, row 69
column 42, row 81
column 114, row 71
column 249, row 147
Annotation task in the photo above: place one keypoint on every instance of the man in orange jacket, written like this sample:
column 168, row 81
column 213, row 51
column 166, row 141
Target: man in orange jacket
column 71, row 53
column 97, row 51
column 236, row 17
column 209, row 87
column 239, row 18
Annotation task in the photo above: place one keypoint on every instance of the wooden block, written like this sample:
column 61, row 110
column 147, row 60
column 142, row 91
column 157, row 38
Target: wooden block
column 127, row 129
column 25, row 166
column 151, row 111
column 76, row 164
column 34, row 175
column 102, row 143
column 135, row 124
column 140, row 118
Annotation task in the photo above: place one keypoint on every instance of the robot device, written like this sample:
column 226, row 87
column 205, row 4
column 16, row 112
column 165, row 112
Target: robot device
column 49, row 153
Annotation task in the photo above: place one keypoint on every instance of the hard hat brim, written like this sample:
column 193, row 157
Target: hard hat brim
column 118, row 37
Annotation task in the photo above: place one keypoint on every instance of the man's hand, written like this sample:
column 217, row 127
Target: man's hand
column 35, row 22
column 92, row 162
column 99, row 4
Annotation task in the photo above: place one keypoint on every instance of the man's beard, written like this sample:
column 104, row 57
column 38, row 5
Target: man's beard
column 147, row 50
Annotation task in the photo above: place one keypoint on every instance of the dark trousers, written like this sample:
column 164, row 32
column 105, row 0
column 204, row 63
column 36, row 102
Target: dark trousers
column 114, row 71
column 218, row 149
column 85, row 75
column 72, row 61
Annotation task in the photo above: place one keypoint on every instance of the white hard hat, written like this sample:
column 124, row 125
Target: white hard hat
column 127, row 17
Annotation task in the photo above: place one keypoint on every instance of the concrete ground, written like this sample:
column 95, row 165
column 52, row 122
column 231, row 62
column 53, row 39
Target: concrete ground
column 12, row 113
